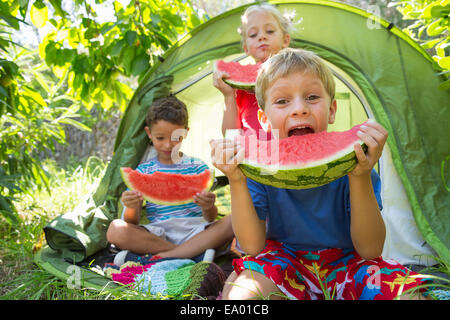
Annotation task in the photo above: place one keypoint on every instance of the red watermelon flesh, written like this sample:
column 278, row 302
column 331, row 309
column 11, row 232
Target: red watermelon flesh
column 239, row 76
column 301, row 150
column 300, row 162
column 167, row 188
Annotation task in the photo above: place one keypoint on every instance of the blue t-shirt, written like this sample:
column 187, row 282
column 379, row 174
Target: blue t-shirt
column 308, row 219
column 187, row 165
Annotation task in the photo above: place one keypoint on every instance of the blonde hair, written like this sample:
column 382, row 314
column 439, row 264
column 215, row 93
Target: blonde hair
column 292, row 60
column 283, row 22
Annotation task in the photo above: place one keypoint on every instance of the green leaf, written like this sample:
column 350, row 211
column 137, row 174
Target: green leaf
column 12, row 164
column 64, row 97
column 117, row 48
column 128, row 57
column 195, row 21
column 64, row 56
column 426, row 14
column 414, row 14
column 9, row 216
column 91, row 32
column 3, row 92
column 81, row 64
column 85, row 93
column 75, row 123
column 435, row 28
column 9, row 19
column 39, row 14
column 140, row 64
column 40, row 79
column 58, row 9
column 130, row 36
column 444, row 63
column 107, row 27
column 77, row 81
column 11, row 68
column 117, row 6
column 73, row 38
column 86, row 22
column 174, row 20
column 155, row 19
column 35, row 96
column 4, row 204
column 50, row 53
column 445, row 85
column 430, row 44
column 440, row 11
column 23, row 7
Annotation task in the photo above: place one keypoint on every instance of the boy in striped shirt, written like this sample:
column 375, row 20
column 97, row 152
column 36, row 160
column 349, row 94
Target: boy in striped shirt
column 181, row 231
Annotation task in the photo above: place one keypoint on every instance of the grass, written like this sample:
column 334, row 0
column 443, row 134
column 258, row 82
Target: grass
column 21, row 279
column 440, row 276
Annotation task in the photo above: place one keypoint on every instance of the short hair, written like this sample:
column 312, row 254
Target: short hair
column 290, row 60
column 170, row 109
column 283, row 22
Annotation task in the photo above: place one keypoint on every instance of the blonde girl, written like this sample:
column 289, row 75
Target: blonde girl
column 264, row 31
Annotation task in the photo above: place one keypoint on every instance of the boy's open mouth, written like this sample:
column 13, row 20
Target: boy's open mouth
column 300, row 131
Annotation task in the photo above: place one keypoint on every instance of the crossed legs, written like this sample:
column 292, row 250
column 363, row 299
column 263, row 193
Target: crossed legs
column 139, row 240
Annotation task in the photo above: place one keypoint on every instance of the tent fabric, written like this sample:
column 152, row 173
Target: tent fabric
column 80, row 233
column 76, row 277
column 392, row 79
column 403, row 241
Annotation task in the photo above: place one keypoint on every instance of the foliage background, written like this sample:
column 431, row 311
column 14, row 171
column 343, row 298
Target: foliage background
column 68, row 70
column 429, row 25
column 83, row 64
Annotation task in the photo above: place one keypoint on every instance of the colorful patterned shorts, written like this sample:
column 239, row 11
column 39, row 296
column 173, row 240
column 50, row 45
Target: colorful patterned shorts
column 331, row 273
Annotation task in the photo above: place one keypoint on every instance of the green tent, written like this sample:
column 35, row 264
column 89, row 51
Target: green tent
column 380, row 73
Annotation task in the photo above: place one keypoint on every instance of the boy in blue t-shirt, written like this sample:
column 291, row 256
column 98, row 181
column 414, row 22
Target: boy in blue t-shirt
column 181, row 231
column 307, row 244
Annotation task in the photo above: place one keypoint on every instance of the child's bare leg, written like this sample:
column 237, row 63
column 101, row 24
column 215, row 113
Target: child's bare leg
column 212, row 237
column 137, row 239
column 250, row 284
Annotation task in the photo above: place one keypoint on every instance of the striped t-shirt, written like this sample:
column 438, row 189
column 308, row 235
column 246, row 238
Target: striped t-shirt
column 187, row 165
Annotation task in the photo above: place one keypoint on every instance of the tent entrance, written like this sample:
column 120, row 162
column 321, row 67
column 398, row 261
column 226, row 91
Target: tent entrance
column 205, row 105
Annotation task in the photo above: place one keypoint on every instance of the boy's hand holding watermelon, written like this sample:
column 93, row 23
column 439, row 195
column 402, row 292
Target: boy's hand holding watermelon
column 132, row 199
column 226, row 155
column 374, row 136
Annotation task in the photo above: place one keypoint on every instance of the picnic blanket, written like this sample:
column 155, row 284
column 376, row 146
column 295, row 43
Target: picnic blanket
column 169, row 277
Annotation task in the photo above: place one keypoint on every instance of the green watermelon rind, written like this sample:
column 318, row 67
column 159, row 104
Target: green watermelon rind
column 249, row 86
column 303, row 178
column 240, row 85
column 158, row 201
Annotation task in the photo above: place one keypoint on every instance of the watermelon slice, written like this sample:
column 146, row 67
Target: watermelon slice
column 240, row 76
column 167, row 188
column 300, row 162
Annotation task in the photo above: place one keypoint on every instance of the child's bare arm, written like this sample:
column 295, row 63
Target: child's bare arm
column 250, row 231
column 230, row 115
column 366, row 225
column 132, row 200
